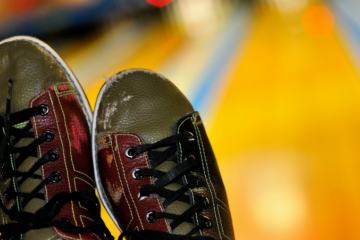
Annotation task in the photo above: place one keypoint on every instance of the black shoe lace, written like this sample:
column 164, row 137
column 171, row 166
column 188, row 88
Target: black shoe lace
column 159, row 152
column 12, row 156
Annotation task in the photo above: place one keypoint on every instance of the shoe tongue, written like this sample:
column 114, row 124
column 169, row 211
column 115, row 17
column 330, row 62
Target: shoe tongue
column 28, row 185
column 177, row 207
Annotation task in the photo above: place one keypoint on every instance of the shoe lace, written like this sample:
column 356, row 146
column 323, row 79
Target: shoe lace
column 14, row 128
column 159, row 152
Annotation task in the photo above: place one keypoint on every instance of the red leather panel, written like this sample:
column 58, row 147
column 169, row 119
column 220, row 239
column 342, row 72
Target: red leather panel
column 67, row 122
column 121, row 188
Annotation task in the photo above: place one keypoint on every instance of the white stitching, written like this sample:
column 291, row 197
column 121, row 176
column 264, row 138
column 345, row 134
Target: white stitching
column 127, row 184
column 72, row 162
column 88, row 183
column 226, row 211
column 207, row 174
column 210, row 185
column 186, row 180
column 71, row 157
column 147, row 164
column 39, row 149
column 85, row 217
column 122, row 185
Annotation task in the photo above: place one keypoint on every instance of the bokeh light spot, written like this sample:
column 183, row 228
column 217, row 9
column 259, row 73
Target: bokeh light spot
column 159, row 3
column 23, row 5
column 318, row 21
column 275, row 193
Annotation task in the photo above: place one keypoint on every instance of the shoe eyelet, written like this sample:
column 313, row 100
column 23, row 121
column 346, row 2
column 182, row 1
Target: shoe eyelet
column 53, row 155
column 49, row 136
column 141, row 197
column 55, row 177
column 136, row 174
column 205, row 202
column 44, row 109
column 206, row 223
column 66, row 220
column 191, row 137
column 191, row 157
column 197, row 183
column 150, row 217
column 130, row 152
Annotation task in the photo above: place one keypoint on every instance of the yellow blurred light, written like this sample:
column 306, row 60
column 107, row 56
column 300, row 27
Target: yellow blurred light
column 279, row 209
column 198, row 17
column 276, row 198
column 290, row 6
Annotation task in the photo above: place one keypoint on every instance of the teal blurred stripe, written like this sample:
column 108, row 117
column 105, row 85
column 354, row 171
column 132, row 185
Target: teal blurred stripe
column 230, row 40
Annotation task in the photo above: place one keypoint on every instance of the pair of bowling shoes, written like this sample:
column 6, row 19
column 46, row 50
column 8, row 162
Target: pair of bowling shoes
column 144, row 149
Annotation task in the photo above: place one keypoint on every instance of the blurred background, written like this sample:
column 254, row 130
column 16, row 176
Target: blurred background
column 276, row 81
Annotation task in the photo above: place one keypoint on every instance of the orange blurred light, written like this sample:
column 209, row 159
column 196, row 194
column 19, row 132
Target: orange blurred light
column 159, row 3
column 23, row 5
column 318, row 21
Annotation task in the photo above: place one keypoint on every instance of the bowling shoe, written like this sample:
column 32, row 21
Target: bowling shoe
column 47, row 190
column 154, row 166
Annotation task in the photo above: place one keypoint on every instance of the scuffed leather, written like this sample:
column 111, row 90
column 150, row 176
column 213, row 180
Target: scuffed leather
column 141, row 102
column 144, row 103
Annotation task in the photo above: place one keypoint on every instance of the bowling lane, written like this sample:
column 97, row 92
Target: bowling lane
column 286, row 130
column 278, row 88
column 126, row 45
column 195, row 61
column 346, row 12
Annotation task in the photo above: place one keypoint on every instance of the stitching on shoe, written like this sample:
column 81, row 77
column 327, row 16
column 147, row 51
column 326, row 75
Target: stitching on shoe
column 186, row 180
column 39, row 150
column 68, row 138
column 71, row 156
column 65, row 161
column 127, row 184
column 207, row 174
column 120, row 180
column 85, row 217
column 147, row 164
column 33, row 121
column 83, row 180
column 222, row 227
